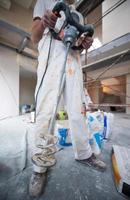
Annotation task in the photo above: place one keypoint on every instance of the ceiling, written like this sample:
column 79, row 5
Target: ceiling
column 17, row 39
column 24, row 3
column 86, row 6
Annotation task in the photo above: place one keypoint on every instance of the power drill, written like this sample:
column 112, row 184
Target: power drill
column 73, row 29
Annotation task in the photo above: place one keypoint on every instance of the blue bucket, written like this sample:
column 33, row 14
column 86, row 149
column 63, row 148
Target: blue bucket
column 63, row 134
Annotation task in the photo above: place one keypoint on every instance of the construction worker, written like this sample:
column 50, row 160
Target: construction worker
column 51, row 58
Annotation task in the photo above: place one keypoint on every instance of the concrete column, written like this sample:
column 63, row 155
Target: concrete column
column 128, row 92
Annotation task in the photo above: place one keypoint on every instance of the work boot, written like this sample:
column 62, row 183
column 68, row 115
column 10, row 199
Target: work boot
column 37, row 184
column 93, row 161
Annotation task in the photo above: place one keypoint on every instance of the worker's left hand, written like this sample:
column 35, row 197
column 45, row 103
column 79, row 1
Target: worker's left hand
column 87, row 42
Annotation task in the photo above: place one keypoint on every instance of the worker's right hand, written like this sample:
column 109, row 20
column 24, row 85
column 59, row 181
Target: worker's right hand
column 49, row 19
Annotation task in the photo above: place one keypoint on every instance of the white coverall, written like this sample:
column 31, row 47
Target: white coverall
column 47, row 94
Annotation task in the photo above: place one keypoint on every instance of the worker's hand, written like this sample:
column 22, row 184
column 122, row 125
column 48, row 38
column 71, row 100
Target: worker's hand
column 49, row 19
column 87, row 42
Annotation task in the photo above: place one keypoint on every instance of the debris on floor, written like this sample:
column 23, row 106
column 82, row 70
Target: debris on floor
column 67, row 180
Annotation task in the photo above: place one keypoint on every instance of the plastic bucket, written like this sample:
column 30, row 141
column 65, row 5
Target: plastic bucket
column 63, row 134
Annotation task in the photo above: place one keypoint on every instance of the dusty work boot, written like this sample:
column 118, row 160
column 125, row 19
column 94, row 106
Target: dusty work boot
column 93, row 161
column 37, row 184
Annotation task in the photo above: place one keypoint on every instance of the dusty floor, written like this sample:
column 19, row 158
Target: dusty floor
column 68, row 180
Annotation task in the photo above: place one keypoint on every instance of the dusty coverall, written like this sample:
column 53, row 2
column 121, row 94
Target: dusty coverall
column 47, row 93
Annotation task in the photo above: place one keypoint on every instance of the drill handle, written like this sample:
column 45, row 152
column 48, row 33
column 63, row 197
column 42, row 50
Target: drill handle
column 87, row 29
column 61, row 6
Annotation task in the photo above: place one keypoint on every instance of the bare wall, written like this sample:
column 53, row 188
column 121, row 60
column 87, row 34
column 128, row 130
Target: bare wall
column 128, row 93
column 27, row 89
column 92, row 18
column 117, row 23
column 9, row 83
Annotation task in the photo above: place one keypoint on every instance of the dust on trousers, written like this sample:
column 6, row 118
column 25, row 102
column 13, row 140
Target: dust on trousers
column 43, row 154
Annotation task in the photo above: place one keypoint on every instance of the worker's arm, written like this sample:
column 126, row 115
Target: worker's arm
column 39, row 25
column 37, row 30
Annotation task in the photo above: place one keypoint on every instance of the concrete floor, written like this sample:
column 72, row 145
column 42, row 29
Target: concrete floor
column 68, row 180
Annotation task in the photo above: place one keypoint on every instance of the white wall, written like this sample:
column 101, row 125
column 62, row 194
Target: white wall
column 92, row 18
column 9, row 83
column 27, row 89
column 128, row 93
column 116, row 23
column 28, row 76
